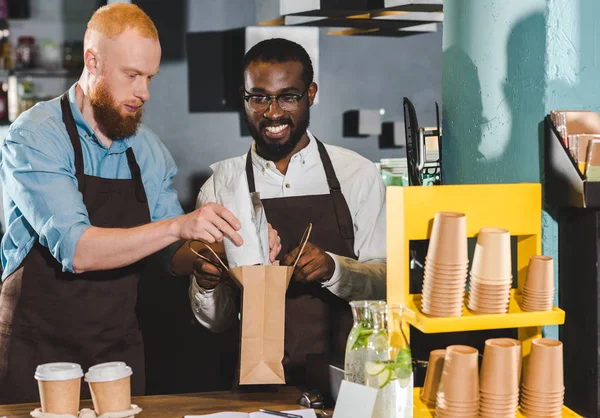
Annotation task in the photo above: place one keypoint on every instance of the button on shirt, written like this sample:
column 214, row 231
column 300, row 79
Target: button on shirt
column 37, row 170
column 364, row 192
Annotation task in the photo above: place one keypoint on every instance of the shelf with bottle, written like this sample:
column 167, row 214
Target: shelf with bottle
column 40, row 73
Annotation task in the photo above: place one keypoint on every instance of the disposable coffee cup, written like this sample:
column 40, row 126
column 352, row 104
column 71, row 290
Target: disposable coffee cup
column 59, row 385
column 110, row 385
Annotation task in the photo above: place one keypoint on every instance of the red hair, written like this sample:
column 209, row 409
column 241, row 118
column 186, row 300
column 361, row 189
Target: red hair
column 113, row 19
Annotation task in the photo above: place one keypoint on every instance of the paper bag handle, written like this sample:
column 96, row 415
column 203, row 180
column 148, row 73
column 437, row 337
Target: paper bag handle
column 208, row 260
column 303, row 242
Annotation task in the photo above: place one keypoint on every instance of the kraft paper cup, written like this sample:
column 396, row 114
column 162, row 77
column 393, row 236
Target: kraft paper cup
column 540, row 274
column 448, row 241
column 541, row 396
column 432, row 266
column 433, row 376
column 445, row 278
column 497, row 281
column 59, row 385
column 442, row 313
column 527, row 400
column 492, row 256
column 444, row 283
column 544, row 371
column 501, row 367
column 110, row 385
column 460, row 375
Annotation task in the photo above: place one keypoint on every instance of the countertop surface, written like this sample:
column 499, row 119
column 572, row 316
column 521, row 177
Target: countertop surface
column 177, row 406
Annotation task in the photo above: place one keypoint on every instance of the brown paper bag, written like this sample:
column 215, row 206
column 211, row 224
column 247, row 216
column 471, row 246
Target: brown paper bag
column 263, row 318
column 263, row 322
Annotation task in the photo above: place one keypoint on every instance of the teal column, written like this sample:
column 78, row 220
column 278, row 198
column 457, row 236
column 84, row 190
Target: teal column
column 507, row 64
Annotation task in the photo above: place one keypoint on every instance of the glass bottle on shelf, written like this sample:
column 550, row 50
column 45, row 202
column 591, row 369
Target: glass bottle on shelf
column 389, row 364
column 356, row 347
column 25, row 52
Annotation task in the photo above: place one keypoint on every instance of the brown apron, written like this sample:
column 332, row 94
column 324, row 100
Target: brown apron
column 47, row 315
column 316, row 321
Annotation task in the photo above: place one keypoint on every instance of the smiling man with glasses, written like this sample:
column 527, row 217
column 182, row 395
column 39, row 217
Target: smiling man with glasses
column 301, row 181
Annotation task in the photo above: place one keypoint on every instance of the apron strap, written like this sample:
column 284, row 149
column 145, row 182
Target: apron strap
column 342, row 213
column 69, row 121
column 250, row 172
column 136, row 175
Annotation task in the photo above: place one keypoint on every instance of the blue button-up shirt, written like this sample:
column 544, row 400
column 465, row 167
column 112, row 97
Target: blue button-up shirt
column 37, row 170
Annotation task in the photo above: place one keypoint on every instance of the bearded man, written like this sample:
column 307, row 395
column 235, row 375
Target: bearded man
column 301, row 181
column 88, row 195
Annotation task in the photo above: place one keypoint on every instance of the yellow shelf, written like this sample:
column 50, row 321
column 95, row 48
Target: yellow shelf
column 515, row 318
column 423, row 411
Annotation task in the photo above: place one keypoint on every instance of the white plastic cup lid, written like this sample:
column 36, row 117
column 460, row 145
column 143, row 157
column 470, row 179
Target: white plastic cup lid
column 58, row 371
column 108, row 372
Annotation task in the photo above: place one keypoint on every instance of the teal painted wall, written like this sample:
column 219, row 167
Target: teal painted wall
column 493, row 90
column 506, row 64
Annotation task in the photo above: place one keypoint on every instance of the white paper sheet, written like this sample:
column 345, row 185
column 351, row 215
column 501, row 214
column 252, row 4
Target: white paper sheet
column 304, row 413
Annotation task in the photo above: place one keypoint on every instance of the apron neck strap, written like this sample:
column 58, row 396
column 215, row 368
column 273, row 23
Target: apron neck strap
column 332, row 180
column 136, row 175
column 250, row 172
column 344, row 218
column 69, row 121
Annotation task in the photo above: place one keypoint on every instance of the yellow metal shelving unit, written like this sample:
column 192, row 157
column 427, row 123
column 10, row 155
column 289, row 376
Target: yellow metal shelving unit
column 516, row 207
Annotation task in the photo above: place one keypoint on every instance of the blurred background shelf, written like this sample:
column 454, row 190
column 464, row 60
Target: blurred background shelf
column 423, row 411
column 40, row 72
column 515, row 318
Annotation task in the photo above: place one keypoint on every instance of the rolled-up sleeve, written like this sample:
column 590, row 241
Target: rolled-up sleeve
column 40, row 179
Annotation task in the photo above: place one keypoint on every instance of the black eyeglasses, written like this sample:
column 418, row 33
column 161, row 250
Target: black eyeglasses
column 261, row 102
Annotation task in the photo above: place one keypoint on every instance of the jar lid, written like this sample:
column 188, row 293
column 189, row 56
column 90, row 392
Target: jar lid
column 58, row 371
column 108, row 372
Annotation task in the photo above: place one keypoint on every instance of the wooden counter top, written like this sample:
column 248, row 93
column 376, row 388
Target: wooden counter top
column 176, row 406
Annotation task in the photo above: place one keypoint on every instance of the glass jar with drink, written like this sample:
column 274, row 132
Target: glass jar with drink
column 356, row 347
column 389, row 364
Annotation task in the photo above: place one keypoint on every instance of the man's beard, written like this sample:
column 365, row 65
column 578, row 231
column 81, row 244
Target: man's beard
column 278, row 150
column 111, row 122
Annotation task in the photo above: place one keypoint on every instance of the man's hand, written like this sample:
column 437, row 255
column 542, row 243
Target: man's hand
column 274, row 244
column 209, row 223
column 314, row 264
column 207, row 275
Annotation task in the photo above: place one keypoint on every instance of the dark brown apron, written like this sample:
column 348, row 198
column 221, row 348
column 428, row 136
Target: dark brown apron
column 316, row 321
column 47, row 315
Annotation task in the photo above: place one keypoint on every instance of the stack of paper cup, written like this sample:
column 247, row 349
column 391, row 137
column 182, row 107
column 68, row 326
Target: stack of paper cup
column 538, row 292
column 433, row 376
column 543, row 390
column 110, row 387
column 59, row 385
column 458, row 393
column 446, row 266
column 499, row 378
column 491, row 272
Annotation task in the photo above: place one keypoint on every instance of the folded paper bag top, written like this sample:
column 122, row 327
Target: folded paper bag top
column 263, row 318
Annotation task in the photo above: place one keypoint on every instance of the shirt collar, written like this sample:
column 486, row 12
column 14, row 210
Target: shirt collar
column 305, row 153
column 86, row 131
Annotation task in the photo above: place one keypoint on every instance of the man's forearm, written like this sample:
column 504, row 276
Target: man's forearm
column 109, row 248
column 354, row 280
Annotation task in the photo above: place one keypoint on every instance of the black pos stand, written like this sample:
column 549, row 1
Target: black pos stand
column 575, row 204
